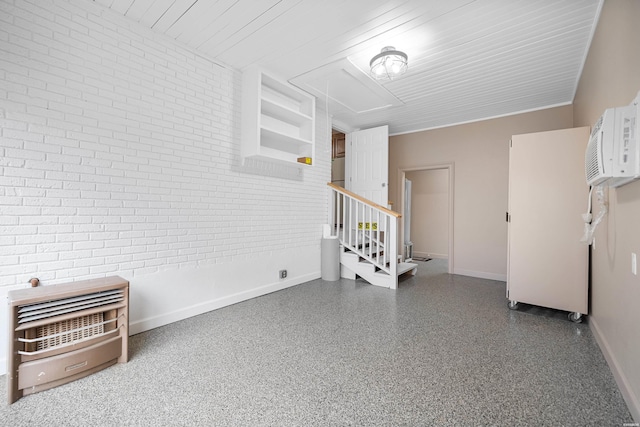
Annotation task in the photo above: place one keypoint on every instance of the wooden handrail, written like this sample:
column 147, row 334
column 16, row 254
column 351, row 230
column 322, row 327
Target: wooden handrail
column 363, row 200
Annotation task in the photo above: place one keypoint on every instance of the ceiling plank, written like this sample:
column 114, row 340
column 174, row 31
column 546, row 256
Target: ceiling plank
column 172, row 14
column 121, row 6
column 235, row 30
column 202, row 20
column 155, row 12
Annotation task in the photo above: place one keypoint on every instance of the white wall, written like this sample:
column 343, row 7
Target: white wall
column 119, row 155
column 480, row 154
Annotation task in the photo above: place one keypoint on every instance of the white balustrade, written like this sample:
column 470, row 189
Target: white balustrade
column 364, row 228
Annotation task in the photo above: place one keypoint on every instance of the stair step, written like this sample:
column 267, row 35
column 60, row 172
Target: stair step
column 403, row 267
column 360, row 266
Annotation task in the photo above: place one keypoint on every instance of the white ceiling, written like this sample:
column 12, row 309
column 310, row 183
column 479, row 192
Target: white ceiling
column 468, row 59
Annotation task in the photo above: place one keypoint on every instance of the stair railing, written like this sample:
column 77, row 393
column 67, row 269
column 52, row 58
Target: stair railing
column 365, row 228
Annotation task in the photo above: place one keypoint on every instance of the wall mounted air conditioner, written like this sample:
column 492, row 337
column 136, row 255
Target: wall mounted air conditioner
column 613, row 153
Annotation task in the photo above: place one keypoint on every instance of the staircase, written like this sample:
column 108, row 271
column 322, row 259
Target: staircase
column 353, row 266
column 368, row 239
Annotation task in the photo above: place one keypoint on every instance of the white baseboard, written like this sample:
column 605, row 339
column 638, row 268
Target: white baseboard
column 633, row 403
column 480, row 274
column 151, row 322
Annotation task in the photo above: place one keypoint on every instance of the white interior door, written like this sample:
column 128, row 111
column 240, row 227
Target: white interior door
column 367, row 164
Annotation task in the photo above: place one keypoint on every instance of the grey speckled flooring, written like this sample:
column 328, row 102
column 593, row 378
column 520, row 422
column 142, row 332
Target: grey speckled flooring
column 442, row 350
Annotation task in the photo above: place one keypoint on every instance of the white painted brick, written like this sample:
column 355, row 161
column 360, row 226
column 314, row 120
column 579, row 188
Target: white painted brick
column 145, row 270
column 23, row 173
column 34, row 239
column 74, row 200
column 83, row 137
column 54, row 229
column 59, row 55
column 60, row 158
column 88, row 262
column 61, row 105
column 75, row 254
column 72, row 237
column 38, row 258
column 140, row 160
column 11, row 274
column 56, row 248
column 10, row 162
column 61, row 176
column 105, row 236
column 106, row 252
column 43, row 165
column 40, row 220
column 60, row 142
column 33, row 28
column 106, row 203
column 102, row 269
column 74, row 220
column 81, row 170
column 28, row 202
column 88, row 186
column 117, row 243
column 22, row 135
column 123, row 259
column 64, row 274
column 9, row 259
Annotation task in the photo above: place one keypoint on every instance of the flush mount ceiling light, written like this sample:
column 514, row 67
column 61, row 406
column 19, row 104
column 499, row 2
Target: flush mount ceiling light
column 388, row 64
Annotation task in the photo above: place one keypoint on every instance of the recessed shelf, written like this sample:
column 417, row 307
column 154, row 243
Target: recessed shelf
column 278, row 141
column 281, row 112
column 278, row 119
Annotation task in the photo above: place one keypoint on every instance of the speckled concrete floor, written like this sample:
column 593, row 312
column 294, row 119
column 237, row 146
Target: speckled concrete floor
column 442, row 350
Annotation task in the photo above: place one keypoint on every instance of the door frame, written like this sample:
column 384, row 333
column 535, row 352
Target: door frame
column 402, row 172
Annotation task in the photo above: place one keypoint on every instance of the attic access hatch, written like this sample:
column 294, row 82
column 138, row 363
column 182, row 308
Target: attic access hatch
column 347, row 87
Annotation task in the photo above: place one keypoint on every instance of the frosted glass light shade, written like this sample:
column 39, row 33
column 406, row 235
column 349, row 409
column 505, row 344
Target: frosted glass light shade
column 389, row 64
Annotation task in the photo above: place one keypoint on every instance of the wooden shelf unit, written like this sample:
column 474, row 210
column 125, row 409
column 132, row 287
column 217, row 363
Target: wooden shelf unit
column 278, row 122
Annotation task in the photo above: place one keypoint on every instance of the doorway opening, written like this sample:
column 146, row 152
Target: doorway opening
column 337, row 157
column 431, row 210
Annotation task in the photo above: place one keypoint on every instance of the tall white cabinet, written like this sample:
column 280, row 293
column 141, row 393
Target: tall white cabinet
column 547, row 263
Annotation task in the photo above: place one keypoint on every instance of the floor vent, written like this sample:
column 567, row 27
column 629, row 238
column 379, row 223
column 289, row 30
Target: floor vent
column 61, row 333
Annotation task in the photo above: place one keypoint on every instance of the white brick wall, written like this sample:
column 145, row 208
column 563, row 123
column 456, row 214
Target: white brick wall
column 119, row 154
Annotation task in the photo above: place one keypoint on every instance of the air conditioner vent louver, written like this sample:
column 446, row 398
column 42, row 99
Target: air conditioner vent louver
column 593, row 166
column 597, row 126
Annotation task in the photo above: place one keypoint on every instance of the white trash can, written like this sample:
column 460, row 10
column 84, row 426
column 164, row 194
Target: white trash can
column 330, row 258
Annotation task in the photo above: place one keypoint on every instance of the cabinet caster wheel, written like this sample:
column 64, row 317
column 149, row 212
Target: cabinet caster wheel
column 513, row 305
column 575, row 317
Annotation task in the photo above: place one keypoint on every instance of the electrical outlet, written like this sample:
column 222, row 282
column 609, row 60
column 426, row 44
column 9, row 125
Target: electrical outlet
column 283, row 274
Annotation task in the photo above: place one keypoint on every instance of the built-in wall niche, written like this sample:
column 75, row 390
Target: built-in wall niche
column 278, row 123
